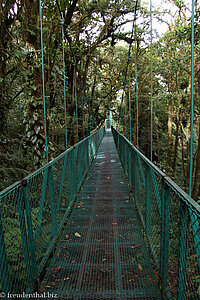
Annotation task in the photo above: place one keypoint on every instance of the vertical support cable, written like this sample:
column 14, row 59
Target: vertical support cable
column 65, row 104
column 89, row 119
column 75, row 96
column 125, row 109
column 128, row 70
column 43, row 88
column 192, row 100
column 82, row 98
column 87, row 114
column 151, row 83
column 136, row 83
column 129, row 97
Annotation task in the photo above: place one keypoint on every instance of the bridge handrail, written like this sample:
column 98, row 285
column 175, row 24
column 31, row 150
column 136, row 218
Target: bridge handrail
column 185, row 197
column 170, row 219
column 33, row 212
column 18, row 183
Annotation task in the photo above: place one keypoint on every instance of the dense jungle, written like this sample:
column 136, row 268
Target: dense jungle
column 98, row 36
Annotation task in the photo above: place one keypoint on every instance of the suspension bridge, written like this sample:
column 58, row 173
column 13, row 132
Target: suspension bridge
column 100, row 221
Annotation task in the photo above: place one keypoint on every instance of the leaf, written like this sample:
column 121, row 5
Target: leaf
column 150, row 279
column 34, row 139
column 140, row 267
column 77, row 234
column 134, row 246
column 65, row 246
column 37, row 129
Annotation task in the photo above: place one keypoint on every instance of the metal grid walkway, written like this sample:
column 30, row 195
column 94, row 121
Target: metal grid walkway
column 102, row 254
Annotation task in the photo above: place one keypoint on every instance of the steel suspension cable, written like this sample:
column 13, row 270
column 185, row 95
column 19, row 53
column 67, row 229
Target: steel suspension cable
column 129, row 98
column 75, row 96
column 82, row 103
column 126, row 71
column 192, row 100
column 136, row 85
column 43, row 82
column 89, row 116
column 86, row 114
column 151, row 154
column 125, row 108
column 65, row 102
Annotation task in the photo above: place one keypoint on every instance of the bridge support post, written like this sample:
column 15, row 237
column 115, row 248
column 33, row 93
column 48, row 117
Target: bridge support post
column 135, row 178
column 165, row 228
column 42, row 200
column 74, row 171
column 129, row 166
column 30, row 230
column 62, row 180
column 182, row 252
column 25, row 246
column 148, row 202
column 4, row 271
column 52, row 202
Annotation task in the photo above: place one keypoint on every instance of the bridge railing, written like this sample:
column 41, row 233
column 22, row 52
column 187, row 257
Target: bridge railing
column 170, row 219
column 33, row 212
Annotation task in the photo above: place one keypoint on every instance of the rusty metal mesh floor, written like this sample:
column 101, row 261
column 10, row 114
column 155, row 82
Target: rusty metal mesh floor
column 102, row 254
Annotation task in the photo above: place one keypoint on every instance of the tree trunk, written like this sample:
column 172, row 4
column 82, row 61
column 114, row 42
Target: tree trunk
column 197, row 168
column 157, row 137
column 2, row 71
column 196, row 184
column 177, row 134
column 170, row 119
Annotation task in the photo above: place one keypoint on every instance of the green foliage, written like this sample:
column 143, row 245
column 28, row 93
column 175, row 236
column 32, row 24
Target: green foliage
column 97, row 35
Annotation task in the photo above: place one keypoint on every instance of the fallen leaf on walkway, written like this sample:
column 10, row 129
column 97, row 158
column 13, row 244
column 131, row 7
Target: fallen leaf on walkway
column 124, row 238
column 150, row 279
column 140, row 267
column 65, row 246
column 134, row 246
column 77, row 234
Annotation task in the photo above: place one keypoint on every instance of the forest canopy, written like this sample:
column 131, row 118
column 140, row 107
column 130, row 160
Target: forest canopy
column 99, row 40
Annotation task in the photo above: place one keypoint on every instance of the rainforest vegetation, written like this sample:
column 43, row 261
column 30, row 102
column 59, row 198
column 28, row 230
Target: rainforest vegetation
column 97, row 35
